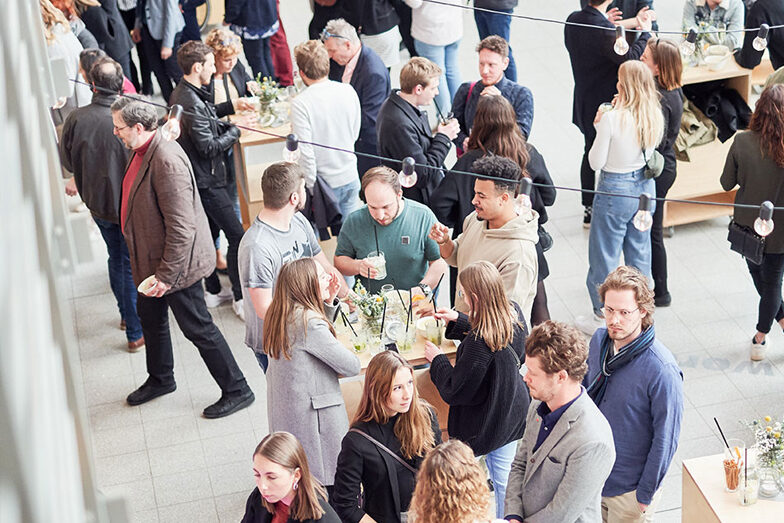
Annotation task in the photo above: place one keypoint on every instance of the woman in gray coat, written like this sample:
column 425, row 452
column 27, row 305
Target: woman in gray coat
column 306, row 360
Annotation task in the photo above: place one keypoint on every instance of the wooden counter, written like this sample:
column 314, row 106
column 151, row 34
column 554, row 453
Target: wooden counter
column 704, row 499
column 698, row 179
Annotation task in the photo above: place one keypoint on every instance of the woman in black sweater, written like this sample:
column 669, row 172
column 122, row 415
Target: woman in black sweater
column 391, row 413
column 495, row 131
column 664, row 60
column 487, row 398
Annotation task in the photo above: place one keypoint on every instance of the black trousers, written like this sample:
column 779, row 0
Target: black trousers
column 587, row 175
column 767, row 280
column 166, row 71
column 142, row 80
column 218, row 203
column 195, row 321
column 658, row 252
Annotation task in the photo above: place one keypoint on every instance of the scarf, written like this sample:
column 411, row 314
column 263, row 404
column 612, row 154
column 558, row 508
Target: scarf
column 611, row 363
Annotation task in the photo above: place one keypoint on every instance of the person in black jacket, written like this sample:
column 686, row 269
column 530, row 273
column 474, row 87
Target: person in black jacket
column 496, row 132
column 206, row 141
column 485, row 392
column 255, row 21
column 108, row 28
column 285, row 489
column 403, row 129
column 391, row 413
column 375, row 21
column 664, row 60
column 595, row 70
column 231, row 79
column 769, row 12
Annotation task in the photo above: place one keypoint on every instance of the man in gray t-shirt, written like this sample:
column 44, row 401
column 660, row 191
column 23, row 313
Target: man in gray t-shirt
column 279, row 234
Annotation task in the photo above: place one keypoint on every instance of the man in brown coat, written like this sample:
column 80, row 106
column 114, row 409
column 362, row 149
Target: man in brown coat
column 169, row 240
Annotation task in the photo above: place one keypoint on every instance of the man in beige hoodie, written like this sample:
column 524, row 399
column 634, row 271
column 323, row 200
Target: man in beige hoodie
column 496, row 233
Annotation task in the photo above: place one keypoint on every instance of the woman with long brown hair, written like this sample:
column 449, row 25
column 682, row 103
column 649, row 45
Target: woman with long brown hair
column 392, row 431
column 496, row 131
column 305, row 362
column 484, row 389
column 755, row 163
column 285, row 489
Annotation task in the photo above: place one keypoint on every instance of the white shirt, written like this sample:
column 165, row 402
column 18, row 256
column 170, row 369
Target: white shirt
column 436, row 24
column 616, row 148
column 328, row 113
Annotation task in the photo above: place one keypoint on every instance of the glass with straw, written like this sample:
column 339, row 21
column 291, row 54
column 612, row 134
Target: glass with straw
column 748, row 493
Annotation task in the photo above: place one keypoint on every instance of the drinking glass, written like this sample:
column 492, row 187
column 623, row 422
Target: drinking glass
column 434, row 332
column 733, row 462
column 379, row 263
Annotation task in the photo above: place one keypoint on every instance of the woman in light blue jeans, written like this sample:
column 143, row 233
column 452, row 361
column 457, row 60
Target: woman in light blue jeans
column 626, row 136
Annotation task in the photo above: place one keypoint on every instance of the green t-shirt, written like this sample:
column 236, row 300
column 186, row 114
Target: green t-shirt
column 404, row 242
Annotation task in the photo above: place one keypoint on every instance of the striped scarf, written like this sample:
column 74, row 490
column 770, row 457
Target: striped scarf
column 611, row 363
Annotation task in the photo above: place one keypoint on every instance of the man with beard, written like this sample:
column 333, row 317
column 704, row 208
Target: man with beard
column 278, row 235
column 637, row 385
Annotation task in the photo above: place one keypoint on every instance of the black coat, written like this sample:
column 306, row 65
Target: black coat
column 403, row 130
column 256, row 513
column 594, row 64
column 370, row 17
column 204, row 139
column 672, row 107
column 769, row 12
column 108, row 28
column 361, row 462
column 488, row 400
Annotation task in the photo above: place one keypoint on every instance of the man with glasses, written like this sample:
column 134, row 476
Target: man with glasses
column 637, row 385
column 358, row 65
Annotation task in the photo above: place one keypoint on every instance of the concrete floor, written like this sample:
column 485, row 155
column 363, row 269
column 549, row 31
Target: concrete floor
column 174, row 465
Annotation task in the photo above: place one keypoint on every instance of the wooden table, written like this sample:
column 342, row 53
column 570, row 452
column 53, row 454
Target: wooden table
column 253, row 153
column 699, row 178
column 704, row 499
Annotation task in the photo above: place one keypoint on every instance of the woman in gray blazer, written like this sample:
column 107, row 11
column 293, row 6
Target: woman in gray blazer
column 306, row 360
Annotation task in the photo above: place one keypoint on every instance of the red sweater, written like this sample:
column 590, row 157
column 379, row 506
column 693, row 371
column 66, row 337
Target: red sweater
column 129, row 178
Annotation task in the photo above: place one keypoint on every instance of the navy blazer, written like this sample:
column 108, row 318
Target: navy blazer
column 371, row 82
column 594, row 63
column 253, row 14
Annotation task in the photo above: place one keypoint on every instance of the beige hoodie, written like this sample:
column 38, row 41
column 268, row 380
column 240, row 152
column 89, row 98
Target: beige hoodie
column 511, row 248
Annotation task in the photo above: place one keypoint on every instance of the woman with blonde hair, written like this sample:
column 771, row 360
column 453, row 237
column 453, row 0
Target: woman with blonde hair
column 484, row 389
column 305, row 362
column 451, row 487
column 285, row 490
column 626, row 137
column 230, row 81
column 392, row 431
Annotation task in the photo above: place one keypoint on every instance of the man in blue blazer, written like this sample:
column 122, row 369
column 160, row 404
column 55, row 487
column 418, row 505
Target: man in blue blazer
column 357, row 64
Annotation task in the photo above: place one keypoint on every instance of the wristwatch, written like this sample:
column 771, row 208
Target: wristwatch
column 426, row 290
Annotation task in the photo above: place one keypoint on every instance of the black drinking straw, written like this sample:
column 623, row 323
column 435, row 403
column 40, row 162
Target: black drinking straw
column 438, row 110
column 375, row 234
column 435, row 289
column 722, row 434
column 401, row 297
column 383, row 317
column 348, row 323
column 408, row 317
column 745, row 472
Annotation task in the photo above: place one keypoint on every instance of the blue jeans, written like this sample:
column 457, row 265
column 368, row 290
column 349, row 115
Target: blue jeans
column 263, row 360
column 348, row 198
column 613, row 232
column 495, row 24
column 445, row 57
column 120, row 278
column 499, row 463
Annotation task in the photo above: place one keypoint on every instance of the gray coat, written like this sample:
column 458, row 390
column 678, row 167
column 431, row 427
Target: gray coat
column 303, row 393
column 562, row 481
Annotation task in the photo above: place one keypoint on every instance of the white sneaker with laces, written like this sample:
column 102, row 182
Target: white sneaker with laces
column 757, row 350
column 239, row 310
column 214, row 300
column 588, row 323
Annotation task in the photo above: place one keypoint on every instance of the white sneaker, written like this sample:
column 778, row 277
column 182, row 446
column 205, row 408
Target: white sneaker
column 214, row 300
column 757, row 350
column 588, row 324
column 239, row 310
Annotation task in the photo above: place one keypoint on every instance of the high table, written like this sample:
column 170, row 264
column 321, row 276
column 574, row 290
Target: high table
column 704, row 499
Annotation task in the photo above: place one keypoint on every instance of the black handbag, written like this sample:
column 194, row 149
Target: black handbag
column 746, row 242
column 545, row 240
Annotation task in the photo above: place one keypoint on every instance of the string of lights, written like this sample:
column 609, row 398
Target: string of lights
column 408, row 176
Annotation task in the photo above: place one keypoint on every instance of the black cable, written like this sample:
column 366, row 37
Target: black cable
column 425, row 166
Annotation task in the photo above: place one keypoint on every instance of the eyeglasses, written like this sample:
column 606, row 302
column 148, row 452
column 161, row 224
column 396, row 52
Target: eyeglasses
column 326, row 34
column 118, row 129
column 609, row 311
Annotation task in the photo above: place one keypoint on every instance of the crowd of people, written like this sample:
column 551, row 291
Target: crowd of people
column 567, row 430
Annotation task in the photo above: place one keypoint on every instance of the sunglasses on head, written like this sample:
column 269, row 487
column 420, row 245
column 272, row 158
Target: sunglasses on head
column 326, row 34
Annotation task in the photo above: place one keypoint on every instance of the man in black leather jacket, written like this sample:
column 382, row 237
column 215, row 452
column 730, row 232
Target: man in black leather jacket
column 206, row 140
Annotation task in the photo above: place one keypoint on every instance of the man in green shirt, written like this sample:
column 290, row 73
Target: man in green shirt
column 401, row 227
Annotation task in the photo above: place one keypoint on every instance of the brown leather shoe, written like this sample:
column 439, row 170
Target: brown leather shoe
column 135, row 346
column 122, row 325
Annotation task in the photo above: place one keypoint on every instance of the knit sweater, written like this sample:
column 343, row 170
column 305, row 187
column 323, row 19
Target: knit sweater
column 487, row 398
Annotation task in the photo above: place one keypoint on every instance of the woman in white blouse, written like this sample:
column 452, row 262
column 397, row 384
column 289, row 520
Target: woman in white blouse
column 625, row 138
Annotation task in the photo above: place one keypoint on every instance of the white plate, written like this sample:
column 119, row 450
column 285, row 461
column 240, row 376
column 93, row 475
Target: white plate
column 148, row 283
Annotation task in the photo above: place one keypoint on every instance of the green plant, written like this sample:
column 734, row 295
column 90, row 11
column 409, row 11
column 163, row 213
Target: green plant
column 769, row 436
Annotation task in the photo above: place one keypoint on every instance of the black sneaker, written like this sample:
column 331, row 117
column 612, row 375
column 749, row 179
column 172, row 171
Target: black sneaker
column 149, row 391
column 229, row 404
column 587, row 217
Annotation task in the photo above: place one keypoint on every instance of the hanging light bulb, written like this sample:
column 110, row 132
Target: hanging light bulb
column 408, row 176
column 291, row 151
column 171, row 129
column 761, row 41
column 523, row 200
column 689, row 44
column 621, row 46
column 643, row 219
column 764, row 224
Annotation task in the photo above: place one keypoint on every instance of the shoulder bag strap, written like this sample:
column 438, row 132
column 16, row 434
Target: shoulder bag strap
column 470, row 90
column 516, row 357
column 385, row 449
